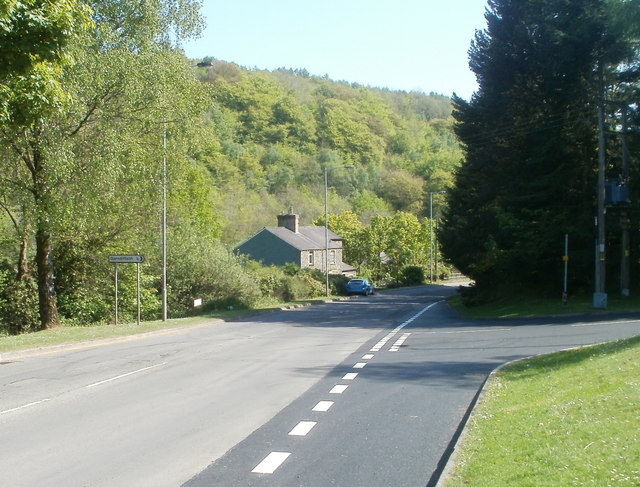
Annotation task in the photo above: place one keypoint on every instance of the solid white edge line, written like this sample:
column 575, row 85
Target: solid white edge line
column 272, row 461
column 302, row 428
column 456, row 332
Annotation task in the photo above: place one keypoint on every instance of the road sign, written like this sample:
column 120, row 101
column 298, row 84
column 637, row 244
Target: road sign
column 126, row 259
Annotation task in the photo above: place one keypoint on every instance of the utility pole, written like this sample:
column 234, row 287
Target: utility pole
column 625, row 223
column 600, row 295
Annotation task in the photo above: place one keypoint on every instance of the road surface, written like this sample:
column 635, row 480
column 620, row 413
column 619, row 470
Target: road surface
column 368, row 392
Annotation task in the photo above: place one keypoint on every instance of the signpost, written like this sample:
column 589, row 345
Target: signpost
column 127, row 259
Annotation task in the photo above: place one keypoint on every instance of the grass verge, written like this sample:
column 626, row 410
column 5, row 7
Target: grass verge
column 75, row 334
column 569, row 418
column 519, row 306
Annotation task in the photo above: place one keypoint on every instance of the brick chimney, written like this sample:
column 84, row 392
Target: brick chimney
column 289, row 221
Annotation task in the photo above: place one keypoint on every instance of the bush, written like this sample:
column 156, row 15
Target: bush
column 225, row 304
column 288, row 283
column 412, row 275
column 18, row 304
column 303, row 286
column 210, row 272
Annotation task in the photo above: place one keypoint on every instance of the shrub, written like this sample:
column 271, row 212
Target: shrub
column 18, row 304
column 412, row 275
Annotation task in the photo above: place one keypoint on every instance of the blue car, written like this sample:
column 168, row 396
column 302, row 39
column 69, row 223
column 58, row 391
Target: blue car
column 360, row 286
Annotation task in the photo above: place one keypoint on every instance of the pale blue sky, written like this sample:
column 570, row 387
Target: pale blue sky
column 397, row 44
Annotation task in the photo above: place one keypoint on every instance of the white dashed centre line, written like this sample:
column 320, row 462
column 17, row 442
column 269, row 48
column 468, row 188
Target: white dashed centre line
column 121, row 376
column 359, row 365
column 302, row 428
column 350, row 376
column 35, row 403
column 368, row 356
column 271, row 462
column 339, row 389
column 322, row 406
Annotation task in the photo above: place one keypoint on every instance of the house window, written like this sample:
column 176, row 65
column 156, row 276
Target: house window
column 332, row 257
column 310, row 258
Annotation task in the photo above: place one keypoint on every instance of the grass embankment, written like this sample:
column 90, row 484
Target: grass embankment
column 520, row 307
column 566, row 419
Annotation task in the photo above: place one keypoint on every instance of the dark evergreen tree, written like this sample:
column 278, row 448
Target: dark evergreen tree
column 530, row 136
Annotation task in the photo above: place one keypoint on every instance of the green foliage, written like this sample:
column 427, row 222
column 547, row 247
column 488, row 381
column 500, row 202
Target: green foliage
column 84, row 115
column 288, row 283
column 40, row 36
column 530, row 138
column 203, row 269
column 412, row 275
column 18, row 303
column 397, row 145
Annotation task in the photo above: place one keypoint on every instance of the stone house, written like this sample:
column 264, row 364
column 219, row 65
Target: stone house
column 304, row 246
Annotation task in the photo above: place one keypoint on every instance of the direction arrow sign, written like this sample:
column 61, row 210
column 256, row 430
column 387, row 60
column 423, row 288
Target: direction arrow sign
column 126, row 259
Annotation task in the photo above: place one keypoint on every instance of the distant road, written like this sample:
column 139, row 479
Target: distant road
column 366, row 392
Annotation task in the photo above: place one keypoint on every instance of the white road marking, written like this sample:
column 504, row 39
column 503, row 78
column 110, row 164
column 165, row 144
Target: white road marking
column 606, row 323
column 381, row 343
column 350, row 376
column 378, row 346
column 35, row 403
column 271, row 462
column 368, row 356
column 339, row 389
column 464, row 331
column 302, row 428
column 399, row 342
column 359, row 365
column 322, row 406
column 125, row 375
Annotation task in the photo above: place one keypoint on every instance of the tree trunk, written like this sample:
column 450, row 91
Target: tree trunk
column 23, row 259
column 47, row 299
column 48, row 302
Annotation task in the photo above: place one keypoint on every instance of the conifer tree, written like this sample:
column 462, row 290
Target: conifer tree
column 530, row 136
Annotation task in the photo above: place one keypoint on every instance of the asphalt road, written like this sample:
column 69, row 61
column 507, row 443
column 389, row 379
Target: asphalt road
column 368, row 392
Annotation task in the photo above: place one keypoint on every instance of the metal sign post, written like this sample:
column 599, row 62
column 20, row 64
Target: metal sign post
column 116, row 284
column 127, row 259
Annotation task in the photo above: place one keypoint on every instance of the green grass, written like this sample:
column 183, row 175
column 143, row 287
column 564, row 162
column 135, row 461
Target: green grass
column 75, row 334
column 566, row 419
column 514, row 307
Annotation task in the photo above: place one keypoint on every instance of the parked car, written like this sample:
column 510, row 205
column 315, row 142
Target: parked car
column 360, row 286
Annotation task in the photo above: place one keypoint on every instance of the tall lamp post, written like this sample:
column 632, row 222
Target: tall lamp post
column 204, row 64
column 164, row 223
column 431, row 246
column 326, row 234
column 326, row 228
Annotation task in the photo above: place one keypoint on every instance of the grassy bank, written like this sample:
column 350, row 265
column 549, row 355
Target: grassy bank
column 569, row 419
column 518, row 306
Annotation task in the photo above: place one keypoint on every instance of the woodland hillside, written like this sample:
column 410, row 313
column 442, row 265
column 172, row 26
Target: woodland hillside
column 276, row 132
